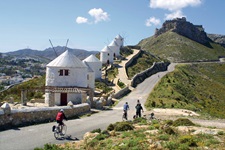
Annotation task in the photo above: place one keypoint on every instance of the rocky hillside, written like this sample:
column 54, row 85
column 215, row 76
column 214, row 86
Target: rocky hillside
column 217, row 38
column 181, row 41
column 184, row 28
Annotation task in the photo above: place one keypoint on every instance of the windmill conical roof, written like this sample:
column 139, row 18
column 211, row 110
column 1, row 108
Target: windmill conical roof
column 91, row 58
column 106, row 49
column 113, row 43
column 89, row 68
column 118, row 37
column 67, row 59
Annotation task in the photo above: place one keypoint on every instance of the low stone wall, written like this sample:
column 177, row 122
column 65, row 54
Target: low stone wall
column 131, row 60
column 121, row 93
column 156, row 67
column 29, row 116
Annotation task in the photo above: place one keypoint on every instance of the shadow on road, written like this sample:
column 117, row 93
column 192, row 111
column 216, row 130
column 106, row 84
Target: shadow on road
column 68, row 138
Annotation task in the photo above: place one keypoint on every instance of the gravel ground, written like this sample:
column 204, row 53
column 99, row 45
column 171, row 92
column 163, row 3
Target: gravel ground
column 178, row 113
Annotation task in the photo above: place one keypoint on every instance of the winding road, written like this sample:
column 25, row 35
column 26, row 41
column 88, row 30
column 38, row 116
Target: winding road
column 27, row 138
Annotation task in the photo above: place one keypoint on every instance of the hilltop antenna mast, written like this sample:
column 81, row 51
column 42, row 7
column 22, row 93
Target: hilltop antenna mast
column 53, row 48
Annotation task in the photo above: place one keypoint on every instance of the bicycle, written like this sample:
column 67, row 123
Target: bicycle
column 57, row 133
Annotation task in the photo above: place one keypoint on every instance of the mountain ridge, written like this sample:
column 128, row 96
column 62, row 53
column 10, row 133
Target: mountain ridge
column 171, row 42
column 50, row 53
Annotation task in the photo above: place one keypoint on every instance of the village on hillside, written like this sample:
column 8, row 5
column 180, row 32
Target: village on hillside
column 69, row 82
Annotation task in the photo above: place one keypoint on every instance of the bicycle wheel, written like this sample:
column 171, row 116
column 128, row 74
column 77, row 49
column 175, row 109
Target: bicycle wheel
column 56, row 133
column 123, row 117
column 64, row 129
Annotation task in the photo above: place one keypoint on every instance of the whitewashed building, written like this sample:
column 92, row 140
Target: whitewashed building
column 112, row 51
column 95, row 64
column 106, row 55
column 115, row 48
column 119, row 40
column 64, row 72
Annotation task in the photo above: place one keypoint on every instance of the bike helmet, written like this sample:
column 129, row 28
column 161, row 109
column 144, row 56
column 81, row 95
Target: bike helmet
column 61, row 110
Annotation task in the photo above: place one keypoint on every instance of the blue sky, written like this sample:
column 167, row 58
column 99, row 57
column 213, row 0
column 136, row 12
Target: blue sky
column 92, row 24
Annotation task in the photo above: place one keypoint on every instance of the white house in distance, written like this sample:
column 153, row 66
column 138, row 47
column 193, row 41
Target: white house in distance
column 64, row 72
column 95, row 64
column 110, row 52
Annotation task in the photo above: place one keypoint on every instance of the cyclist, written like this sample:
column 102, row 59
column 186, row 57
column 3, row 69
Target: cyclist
column 125, row 109
column 59, row 119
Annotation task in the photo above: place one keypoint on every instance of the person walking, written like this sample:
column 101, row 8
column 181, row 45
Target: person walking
column 125, row 109
column 139, row 108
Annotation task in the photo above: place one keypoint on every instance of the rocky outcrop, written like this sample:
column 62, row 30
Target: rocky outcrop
column 217, row 38
column 184, row 28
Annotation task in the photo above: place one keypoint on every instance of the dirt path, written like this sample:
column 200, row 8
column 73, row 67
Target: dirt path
column 179, row 113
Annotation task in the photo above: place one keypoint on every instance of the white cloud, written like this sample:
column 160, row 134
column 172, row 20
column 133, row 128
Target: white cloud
column 152, row 21
column 175, row 14
column 99, row 15
column 174, row 5
column 80, row 20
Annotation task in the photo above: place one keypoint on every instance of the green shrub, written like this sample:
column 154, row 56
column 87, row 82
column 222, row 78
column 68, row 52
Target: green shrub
column 157, row 126
column 220, row 133
column 120, row 84
column 92, row 144
column 183, row 122
column 155, row 122
column 101, row 136
column 110, row 127
column 183, row 147
column 96, row 130
column 123, row 126
column 140, row 120
column 188, row 139
column 151, row 127
column 49, row 147
column 105, row 132
column 169, row 122
column 171, row 145
column 164, row 137
column 169, row 130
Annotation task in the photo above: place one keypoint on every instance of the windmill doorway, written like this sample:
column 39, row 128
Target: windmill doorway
column 63, row 99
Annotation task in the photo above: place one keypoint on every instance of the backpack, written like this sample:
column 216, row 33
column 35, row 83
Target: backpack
column 59, row 116
column 138, row 107
column 53, row 128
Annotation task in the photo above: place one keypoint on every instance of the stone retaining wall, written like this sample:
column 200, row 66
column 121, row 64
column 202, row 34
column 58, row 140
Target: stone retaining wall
column 156, row 67
column 131, row 60
column 29, row 116
column 121, row 93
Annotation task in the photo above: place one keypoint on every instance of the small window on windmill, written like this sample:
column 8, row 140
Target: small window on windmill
column 61, row 72
column 108, row 54
column 88, row 77
column 66, row 72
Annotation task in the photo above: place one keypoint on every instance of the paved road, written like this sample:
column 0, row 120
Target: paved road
column 27, row 138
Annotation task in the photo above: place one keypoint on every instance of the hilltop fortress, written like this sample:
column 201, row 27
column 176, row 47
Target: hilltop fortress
column 184, row 28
